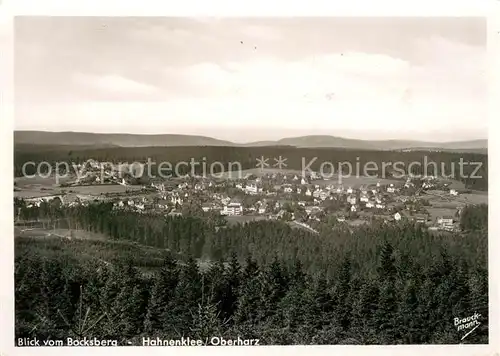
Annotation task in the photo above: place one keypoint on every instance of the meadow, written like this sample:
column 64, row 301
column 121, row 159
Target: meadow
column 40, row 186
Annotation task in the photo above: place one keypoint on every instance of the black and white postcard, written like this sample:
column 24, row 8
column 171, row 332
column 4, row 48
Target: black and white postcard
column 220, row 181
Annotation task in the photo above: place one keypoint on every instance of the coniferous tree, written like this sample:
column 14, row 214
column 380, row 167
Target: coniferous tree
column 162, row 292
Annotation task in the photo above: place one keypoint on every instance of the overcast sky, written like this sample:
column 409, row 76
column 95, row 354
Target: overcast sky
column 253, row 79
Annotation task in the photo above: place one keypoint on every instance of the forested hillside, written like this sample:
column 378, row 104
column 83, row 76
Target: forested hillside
column 446, row 164
column 387, row 284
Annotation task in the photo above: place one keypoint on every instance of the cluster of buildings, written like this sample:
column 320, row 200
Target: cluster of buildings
column 277, row 196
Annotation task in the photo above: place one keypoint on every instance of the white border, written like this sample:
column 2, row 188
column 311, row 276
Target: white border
column 222, row 8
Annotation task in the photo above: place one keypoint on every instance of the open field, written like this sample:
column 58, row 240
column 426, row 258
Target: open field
column 444, row 204
column 257, row 172
column 455, row 184
column 39, row 187
column 92, row 247
column 102, row 189
column 20, row 231
column 474, row 198
column 438, row 212
column 37, row 181
column 355, row 182
column 442, row 198
column 92, row 250
column 357, row 222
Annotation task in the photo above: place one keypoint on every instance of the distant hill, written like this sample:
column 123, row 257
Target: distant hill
column 103, row 140
column 340, row 142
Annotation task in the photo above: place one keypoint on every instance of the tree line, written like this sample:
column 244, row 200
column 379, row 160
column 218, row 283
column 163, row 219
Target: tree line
column 204, row 237
column 403, row 302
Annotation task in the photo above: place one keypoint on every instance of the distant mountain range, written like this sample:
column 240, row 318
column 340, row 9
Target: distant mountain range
column 86, row 139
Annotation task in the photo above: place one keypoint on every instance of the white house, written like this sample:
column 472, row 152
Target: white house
column 351, row 199
column 445, row 220
column 299, row 191
column 397, row 216
column 453, row 192
column 349, row 190
column 353, row 208
column 251, row 189
column 303, row 181
column 176, row 199
column 391, row 188
column 370, row 204
column 232, row 209
column 288, row 189
column 364, row 198
column 308, row 192
column 380, row 206
column 427, row 185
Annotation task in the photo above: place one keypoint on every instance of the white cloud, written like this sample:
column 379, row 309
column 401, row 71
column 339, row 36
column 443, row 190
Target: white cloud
column 114, row 84
column 457, row 73
column 260, row 32
column 351, row 76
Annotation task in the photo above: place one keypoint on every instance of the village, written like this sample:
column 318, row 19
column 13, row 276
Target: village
column 308, row 202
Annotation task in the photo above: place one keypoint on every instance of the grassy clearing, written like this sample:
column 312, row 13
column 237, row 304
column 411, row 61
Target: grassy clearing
column 356, row 182
column 106, row 251
column 37, row 181
column 436, row 212
column 258, row 172
column 474, row 198
column 32, row 191
column 85, row 246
